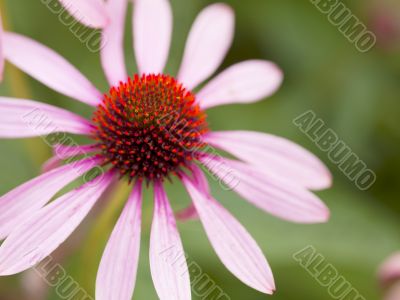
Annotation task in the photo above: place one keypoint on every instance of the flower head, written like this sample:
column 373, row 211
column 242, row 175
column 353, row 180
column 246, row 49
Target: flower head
column 150, row 127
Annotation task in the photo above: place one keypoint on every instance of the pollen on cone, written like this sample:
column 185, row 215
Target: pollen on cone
column 149, row 127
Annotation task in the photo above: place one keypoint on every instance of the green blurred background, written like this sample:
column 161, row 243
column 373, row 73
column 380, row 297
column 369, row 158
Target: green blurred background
column 356, row 94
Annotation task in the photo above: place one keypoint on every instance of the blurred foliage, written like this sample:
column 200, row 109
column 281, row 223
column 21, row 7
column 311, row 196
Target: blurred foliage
column 356, row 94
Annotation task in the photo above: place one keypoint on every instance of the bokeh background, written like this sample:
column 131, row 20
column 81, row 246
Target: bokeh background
column 356, row 94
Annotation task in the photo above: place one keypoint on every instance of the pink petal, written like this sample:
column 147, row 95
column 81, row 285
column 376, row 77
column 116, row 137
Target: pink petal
column 390, row 269
column 27, row 118
column 167, row 259
column 45, row 230
column 65, row 151
column 62, row 152
column 190, row 212
column 18, row 204
column 272, row 194
column 187, row 214
column 274, row 155
column 49, row 68
column 201, row 179
column 92, row 13
column 1, row 49
column 246, row 82
column 233, row 244
column 208, row 43
column 112, row 52
column 117, row 273
column 51, row 164
column 393, row 293
column 152, row 28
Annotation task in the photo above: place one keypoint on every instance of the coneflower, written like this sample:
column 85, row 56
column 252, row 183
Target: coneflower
column 148, row 128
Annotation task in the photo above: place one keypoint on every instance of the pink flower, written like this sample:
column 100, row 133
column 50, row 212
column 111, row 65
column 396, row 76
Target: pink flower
column 390, row 269
column 389, row 276
column 149, row 128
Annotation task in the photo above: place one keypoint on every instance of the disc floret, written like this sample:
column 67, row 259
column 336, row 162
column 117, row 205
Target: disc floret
column 149, row 127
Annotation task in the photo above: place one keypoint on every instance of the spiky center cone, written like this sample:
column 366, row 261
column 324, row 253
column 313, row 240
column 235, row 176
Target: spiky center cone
column 149, row 127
